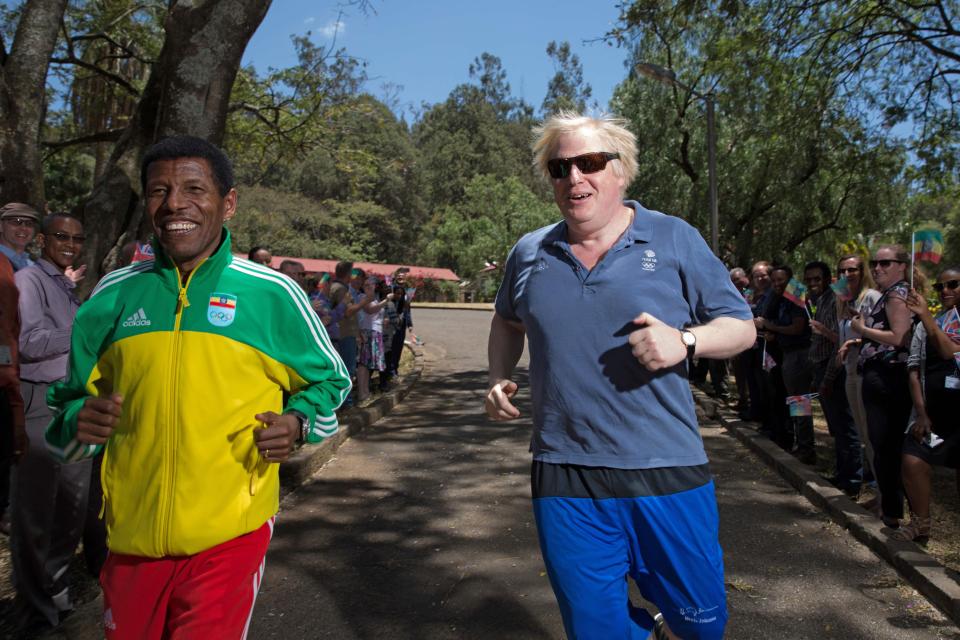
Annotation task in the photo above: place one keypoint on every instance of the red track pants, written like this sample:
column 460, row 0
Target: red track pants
column 207, row 595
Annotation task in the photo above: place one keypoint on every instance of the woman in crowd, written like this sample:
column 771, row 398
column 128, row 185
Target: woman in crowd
column 371, row 338
column 390, row 323
column 863, row 296
column 935, row 391
column 883, row 363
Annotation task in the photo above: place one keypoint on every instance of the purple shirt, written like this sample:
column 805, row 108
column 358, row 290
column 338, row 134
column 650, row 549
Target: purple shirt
column 47, row 308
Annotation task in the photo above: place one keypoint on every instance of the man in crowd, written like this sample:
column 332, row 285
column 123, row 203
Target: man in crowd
column 787, row 333
column 829, row 378
column 296, row 271
column 741, row 281
column 260, row 255
column 758, row 383
column 192, row 438
column 13, row 437
column 49, row 499
column 18, row 225
column 639, row 293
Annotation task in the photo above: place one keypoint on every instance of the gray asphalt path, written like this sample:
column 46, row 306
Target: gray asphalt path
column 421, row 527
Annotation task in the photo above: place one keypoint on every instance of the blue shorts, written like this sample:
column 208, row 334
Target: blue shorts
column 659, row 526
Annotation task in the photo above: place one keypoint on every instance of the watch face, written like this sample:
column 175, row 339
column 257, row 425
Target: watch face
column 688, row 338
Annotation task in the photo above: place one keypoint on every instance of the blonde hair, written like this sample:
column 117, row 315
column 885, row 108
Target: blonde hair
column 847, row 308
column 610, row 130
column 919, row 279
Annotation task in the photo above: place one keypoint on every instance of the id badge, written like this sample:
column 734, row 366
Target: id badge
column 6, row 356
column 951, row 382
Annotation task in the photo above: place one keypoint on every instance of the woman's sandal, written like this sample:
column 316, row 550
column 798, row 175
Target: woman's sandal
column 917, row 530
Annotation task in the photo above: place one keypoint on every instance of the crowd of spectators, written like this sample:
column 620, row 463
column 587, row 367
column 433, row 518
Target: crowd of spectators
column 366, row 317
column 884, row 367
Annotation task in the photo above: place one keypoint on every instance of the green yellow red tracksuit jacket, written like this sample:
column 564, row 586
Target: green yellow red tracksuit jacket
column 194, row 364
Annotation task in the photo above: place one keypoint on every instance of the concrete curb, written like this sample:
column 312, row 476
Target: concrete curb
column 306, row 460
column 471, row 306
column 921, row 570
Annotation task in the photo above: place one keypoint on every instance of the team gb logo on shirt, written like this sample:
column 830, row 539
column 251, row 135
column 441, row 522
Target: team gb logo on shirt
column 222, row 309
column 649, row 260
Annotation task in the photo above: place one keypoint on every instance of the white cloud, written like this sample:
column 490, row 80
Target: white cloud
column 309, row 20
column 333, row 28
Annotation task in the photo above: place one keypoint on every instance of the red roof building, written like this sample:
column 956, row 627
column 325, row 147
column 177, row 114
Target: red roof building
column 313, row 266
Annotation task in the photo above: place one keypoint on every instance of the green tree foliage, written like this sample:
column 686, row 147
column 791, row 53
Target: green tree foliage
column 295, row 225
column 493, row 214
column 480, row 129
column 902, row 57
column 369, row 156
column 566, row 90
column 276, row 119
column 799, row 170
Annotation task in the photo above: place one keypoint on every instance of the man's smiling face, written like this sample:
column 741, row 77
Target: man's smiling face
column 184, row 203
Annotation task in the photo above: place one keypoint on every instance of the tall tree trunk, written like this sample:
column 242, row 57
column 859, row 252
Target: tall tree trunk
column 23, row 75
column 188, row 92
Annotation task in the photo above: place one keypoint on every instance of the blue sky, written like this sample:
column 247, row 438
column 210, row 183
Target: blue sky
column 426, row 45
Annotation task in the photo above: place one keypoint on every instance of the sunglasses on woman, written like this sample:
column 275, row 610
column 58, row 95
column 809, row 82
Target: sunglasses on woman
column 847, row 270
column 586, row 163
column 884, row 263
column 949, row 284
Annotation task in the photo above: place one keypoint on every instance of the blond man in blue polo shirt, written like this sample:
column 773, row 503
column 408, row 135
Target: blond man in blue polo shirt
column 613, row 300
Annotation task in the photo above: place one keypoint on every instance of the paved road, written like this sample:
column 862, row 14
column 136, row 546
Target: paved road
column 421, row 528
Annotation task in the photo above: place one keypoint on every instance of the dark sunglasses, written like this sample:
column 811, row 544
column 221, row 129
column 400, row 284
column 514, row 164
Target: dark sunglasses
column 20, row 222
column 848, row 270
column 65, row 237
column 949, row 284
column 884, row 263
column 586, row 163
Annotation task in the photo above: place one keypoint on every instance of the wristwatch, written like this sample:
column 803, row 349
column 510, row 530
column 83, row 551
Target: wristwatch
column 304, row 423
column 689, row 339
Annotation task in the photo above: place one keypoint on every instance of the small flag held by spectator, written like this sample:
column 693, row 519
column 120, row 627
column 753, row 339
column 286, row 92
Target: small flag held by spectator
column 801, row 405
column 949, row 323
column 769, row 364
column 842, row 288
column 796, row 293
column 928, row 245
column 143, row 252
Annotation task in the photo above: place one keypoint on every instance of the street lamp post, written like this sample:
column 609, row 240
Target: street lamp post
column 668, row 77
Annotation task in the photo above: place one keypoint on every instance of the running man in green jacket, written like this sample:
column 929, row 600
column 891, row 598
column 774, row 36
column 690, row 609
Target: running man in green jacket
column 179, row 368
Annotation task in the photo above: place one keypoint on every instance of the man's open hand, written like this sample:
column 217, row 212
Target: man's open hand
column 97, row 418
column 655, row 344
column 277, row 440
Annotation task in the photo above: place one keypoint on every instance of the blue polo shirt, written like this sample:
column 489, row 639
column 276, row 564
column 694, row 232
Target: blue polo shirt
column 593, row 403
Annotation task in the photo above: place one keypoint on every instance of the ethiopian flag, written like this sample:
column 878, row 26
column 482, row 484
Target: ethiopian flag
column 928, row 245
column 796, row 293
column 801, row 405
column 842, row 288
